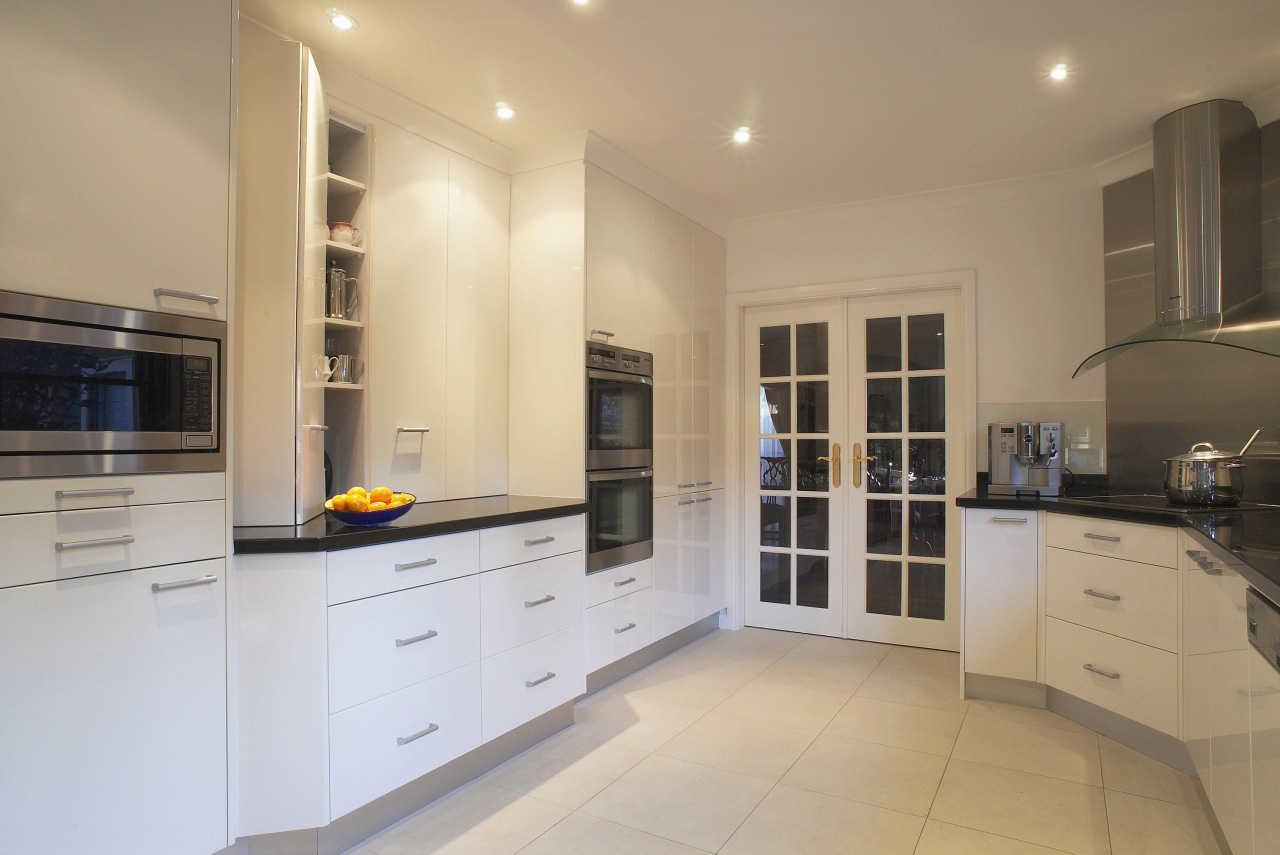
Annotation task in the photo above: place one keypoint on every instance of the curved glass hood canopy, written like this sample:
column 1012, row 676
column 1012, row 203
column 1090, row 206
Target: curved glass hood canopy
column 1252, row 325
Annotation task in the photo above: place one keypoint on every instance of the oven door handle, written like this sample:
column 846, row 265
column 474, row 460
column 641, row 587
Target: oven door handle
column 619, row 475
column 638, row 379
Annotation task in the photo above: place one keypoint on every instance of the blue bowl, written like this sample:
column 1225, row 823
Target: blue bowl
column 385, row 515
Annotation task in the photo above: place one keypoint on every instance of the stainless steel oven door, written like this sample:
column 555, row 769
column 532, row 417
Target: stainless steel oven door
column 619, row 420
column 620, row 522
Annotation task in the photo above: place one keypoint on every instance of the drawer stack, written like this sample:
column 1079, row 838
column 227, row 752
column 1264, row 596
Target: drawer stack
column 1111, row 606
column 619, row 616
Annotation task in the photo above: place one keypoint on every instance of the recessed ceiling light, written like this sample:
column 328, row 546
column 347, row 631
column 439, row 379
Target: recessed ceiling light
column 581, row 2
column 742, row 134
column 1059, row 71
column 342, row 20
column 504, row 111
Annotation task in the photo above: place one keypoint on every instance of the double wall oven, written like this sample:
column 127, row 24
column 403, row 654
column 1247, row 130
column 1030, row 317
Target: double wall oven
column 619, row 456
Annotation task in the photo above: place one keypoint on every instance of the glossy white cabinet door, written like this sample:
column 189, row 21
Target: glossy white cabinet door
column 619, row 261
column 617, row 628
column 113, row 727
column 707, row 359
column 522, row 683
column 706, row 552
column 476, row 335
column 672, row 327
column 525, row 602
column 1264, row 715
column 117, row 151
column 672, row 573
column 407, row 426
column 1001, row 568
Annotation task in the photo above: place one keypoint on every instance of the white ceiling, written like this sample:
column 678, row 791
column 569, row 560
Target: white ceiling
column 849, row 99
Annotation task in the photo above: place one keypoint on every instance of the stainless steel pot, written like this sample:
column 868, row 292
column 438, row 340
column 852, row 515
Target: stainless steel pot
column 1209, row 477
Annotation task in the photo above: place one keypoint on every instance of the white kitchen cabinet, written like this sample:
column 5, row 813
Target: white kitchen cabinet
column 707, row 408
column 113, row 727
column 476, row 330
column 617, row 628
column 688, row 583
column 619, row 262
column 522, row 683
column 1126, row 598
column 118, row 151
column 1001, row 581
column 279, row 414
column 525, row 602
column 407, row 394
column 672, row 333
column 1264, row 745
column 605, row 585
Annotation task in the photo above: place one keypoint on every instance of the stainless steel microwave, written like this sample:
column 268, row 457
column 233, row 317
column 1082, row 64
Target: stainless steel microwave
column 88, row 389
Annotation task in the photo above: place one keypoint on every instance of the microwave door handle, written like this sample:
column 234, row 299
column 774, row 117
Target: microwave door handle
column 620, row 475
column 599, row 374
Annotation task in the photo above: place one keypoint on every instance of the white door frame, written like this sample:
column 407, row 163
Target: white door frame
column 736, row 305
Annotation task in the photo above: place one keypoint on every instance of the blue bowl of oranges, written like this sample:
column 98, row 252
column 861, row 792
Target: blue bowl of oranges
column 359, row 506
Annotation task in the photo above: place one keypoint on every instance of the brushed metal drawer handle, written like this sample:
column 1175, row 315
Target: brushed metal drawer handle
column 187, row 295
column 687, row 502
column 685, row 486
column 412, row 430
column 405, row 740
column 1110, row 675
column 1261, row 693
column 1014, row 520
column 539, row 541
column 704, row 483
column 604, row 333
column 1208, row 568
column 157, row 587
column 703, row 499
column 405, row 642
column 72, row 545
column 1107, row 537
column 528, row 604
column 626, row 581
column 412, row 565
column 626, row 628
column 93, row 494
column 529, row 684
column 1115, row 598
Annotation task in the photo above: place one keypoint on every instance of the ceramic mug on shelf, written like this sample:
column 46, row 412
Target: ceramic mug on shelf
column 324, row 366
column 348, row 369
column 344, row 233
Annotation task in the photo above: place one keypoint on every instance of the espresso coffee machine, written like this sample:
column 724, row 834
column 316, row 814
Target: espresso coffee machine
column 1025, row 458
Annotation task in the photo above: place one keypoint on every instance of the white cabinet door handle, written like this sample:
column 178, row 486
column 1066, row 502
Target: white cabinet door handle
column 1089, row 592
column 539, row 541
column 72, row 545
column 1110, row 675
column 627, row 581
column 626, row 628
column 528, row 604
column 405, row 740
column 1107, row 537
column 1013, row 520
column 529, row 684
column 93, row 494
column 187, row 295
column 157, row 587
column 405, row 642
column 413, row 565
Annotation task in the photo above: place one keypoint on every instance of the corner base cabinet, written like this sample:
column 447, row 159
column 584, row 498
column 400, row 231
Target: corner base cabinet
column 1001, row 573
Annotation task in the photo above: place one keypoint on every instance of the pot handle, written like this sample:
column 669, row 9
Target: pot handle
column 1208, row 445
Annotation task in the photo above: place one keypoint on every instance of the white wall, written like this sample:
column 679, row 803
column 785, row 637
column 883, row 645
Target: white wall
column 1035, row 246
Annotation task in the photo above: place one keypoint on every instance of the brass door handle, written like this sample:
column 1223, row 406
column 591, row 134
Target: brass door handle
column 858, row 460
column 834, row 460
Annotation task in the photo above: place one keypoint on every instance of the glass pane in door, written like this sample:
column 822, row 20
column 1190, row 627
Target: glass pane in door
column 775, row 351
column 775, row 408
column 884, row 405
column 811, row 406
column 775, row 469
column 926, row 591
column 884, row 344
column 811, row 349
column 775, row 577
column 884, row 587
column 775, row 521
column 926, row 346
column 811, row 581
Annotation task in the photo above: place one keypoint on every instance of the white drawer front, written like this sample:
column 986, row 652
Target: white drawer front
column 380, row 644
column 65, row 544
column 373, row 570
column 376, row 747
column 1213, row 601
column 522, row 684
column 618, row 581
column 512, row 544
column 1125, row 598
column 1145, row 685
column 111, row 491
column 1150, row 544
column 527, row 601
column 617, row 628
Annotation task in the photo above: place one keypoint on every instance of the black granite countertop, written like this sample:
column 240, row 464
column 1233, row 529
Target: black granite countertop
column 1251, row 532
column 424, row 519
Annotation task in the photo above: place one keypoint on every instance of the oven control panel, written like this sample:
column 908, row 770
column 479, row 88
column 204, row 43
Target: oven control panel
column 609, row 358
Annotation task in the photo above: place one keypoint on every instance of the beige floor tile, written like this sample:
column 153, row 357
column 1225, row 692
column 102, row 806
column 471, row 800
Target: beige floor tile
column 901, row 725
column 920, row 659
column 881, row 775
column 753, row 636
column 757, row 748
column 479, row 819
column 632, row 721
column 799, row 668
column 1028, row 715
column 1033, row 808
column 566, row 769
column 851, row 650
column 1133, row 772
column 940, row 838
column 1140, row 826
column 681, row 801
column 922, row 688
column 807, row 708
column 1030, row 748
column 580, row 834
column 699, row 681
column 798, row 822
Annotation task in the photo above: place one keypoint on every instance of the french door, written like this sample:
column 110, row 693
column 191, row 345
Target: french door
column 852, row 529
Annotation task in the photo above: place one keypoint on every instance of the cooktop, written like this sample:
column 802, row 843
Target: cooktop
column 1159, row 503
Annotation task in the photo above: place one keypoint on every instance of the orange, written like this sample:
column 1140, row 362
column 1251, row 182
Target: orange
column 357, row 491
column 380, row 494
column 338, row 502
column 357, row 502
column 404, row 498
column 377, row 506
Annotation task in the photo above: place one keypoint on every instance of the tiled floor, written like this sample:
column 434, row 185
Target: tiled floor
column 780, row 744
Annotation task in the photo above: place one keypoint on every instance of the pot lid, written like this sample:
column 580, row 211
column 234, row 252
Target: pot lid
column 1193, row 455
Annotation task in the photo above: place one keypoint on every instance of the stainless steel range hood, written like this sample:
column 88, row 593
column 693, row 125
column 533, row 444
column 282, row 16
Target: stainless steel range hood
column 1208, row 235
